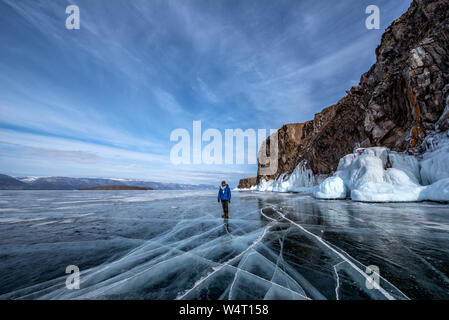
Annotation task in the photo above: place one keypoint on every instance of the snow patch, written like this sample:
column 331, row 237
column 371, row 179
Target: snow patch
column 27, row 179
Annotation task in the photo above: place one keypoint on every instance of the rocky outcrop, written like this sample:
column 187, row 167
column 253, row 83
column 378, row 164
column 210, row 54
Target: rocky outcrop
column 247, row 183
column 396, row 104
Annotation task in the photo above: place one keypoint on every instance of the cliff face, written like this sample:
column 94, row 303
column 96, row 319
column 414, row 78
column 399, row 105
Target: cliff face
column 398, row 101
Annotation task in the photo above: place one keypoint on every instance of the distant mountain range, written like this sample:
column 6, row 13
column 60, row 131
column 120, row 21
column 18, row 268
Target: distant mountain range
column 116, row 188
column 65, row 183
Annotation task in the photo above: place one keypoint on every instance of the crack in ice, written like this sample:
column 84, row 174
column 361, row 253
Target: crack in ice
column 337, row 279
column 225, row 264
column 323, row 242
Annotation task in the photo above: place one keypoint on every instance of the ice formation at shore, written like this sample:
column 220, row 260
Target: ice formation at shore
column 373, row 175
column 377, row 174
column 300, row 180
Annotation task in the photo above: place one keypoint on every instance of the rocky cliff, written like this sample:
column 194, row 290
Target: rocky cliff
column 247, row 183
column 396, row 104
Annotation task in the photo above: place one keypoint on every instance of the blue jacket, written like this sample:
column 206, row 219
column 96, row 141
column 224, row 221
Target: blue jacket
column 224, row 194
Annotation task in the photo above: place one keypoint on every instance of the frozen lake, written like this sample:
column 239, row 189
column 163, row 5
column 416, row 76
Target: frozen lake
column 175, row 245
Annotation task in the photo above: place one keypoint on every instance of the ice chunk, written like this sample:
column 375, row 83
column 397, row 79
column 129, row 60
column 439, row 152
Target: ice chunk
column 435, row 163
column 366, row 165
column 332, row 188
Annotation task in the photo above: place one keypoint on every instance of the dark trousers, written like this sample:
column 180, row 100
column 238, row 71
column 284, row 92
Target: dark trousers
column 224, row 204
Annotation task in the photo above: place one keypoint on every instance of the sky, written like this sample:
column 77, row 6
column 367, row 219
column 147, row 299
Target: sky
column 102, row 101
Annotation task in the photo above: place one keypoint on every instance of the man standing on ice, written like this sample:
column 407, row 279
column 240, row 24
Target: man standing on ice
column 224, row 194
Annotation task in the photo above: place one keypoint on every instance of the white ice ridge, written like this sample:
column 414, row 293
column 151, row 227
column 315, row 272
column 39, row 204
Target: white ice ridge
column 381, row 175
column 377, row 175
column 347, row 259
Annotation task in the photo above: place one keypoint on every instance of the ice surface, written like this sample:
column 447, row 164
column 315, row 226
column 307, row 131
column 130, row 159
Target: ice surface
column 435, row 163
column 174, row 245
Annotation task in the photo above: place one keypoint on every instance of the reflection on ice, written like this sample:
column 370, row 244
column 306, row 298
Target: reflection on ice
column 274, row 246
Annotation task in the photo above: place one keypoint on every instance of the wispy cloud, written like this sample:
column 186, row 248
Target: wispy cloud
column 167, row 101
column 204, row 90
column 108, row 95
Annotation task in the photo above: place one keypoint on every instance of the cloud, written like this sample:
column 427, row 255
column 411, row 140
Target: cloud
column 104, row 99
column 24, row 152
column 204, row 90
column 51, row 154
column 31, row 141
column 71, row 122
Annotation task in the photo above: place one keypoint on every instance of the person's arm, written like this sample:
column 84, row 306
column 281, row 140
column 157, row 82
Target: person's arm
column 229, row 191
column 219, row 196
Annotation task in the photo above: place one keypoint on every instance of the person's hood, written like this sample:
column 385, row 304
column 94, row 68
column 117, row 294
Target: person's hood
column 227, row 186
